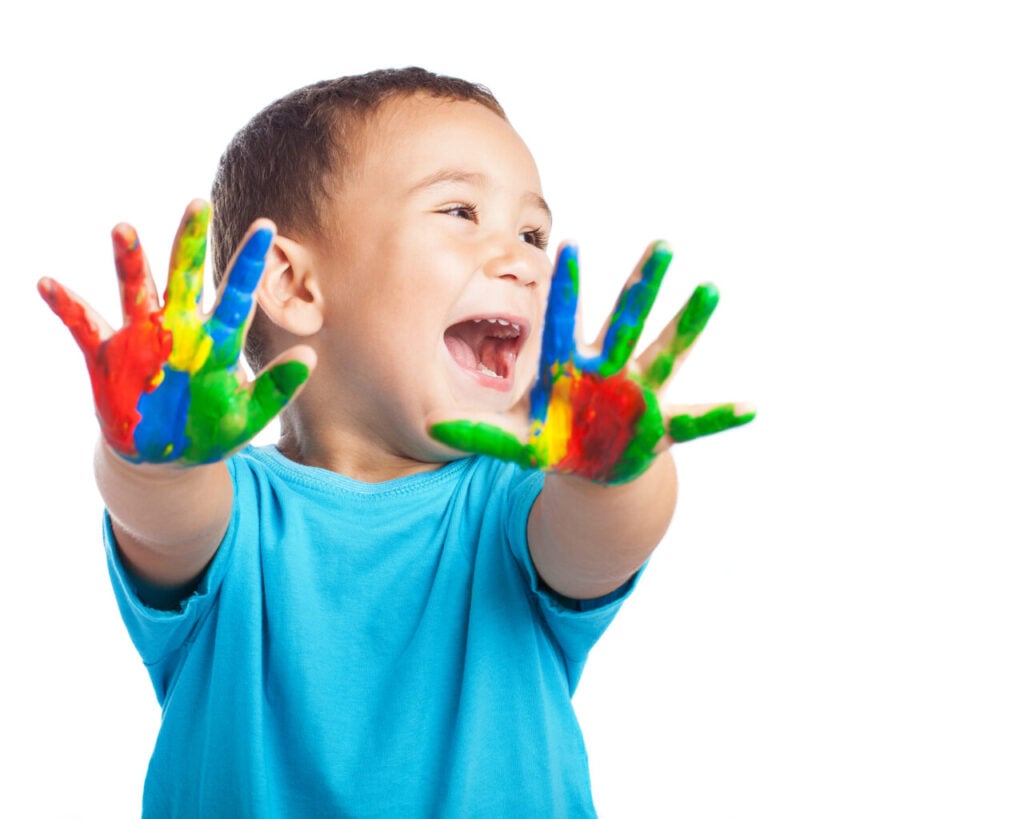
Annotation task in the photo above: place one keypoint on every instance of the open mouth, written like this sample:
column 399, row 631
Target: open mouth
column 487, row 347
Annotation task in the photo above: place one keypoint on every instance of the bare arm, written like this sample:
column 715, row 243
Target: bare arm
column 172, row 399
column 168, row 521
column 587, row 539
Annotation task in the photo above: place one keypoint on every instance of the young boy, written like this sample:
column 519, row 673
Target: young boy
column 362, row 620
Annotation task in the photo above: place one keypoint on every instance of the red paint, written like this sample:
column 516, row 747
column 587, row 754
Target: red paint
column 125, row 365
column 138, row 296
column 605, row 412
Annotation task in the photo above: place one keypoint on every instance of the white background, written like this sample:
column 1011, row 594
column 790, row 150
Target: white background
column 833, row 625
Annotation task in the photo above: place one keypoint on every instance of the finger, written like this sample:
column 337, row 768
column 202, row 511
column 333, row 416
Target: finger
column 558, row 345
column 188, row 255
column 659, row 361
column 224, row 415
column 559, row 340
column 272, row 390
column 138, row 292
column 185, row 289
column 86, row 325
column 626, row 323
column 698, row 421
column 483, row 439
column 227, row 325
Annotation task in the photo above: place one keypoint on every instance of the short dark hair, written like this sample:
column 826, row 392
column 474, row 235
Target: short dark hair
column 282, row 163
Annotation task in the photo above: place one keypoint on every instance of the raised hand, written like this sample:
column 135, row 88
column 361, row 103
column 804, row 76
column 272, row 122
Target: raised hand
column 598, row 417
column 168, row 386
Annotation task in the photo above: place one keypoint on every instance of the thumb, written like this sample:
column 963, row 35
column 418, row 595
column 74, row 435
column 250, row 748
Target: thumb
column 493, row 434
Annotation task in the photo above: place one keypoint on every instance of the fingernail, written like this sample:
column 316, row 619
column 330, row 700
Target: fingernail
column 125, row 238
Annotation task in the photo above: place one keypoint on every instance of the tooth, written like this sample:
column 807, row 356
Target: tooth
column 481, row 367
column 491, row 321
column 502, row 322
column 516, row 327
column 477, row 321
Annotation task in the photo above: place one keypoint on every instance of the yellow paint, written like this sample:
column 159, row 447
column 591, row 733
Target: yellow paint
column 553, row 439
column 191, row 345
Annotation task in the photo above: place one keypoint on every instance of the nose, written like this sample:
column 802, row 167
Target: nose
column 517, row 262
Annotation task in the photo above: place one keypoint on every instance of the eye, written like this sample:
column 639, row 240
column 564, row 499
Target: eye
column 537, row 237
column 461, row 211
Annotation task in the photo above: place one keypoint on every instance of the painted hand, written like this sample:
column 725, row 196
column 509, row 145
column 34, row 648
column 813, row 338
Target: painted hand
column 599, row 417
column 168, row 385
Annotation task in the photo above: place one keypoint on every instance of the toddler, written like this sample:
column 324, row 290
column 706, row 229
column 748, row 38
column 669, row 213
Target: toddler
column 387, row 612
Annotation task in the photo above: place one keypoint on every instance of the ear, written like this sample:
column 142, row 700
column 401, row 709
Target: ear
column 288, row 292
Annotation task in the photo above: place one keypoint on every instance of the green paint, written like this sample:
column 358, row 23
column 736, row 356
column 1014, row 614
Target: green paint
column 286, row 379
column 573, row 267
column 588, row 417
column 690, row 324
column 167, row 385
column 216, row 416
column 484, row 439
column 687, row 427
column 650, row 428
column 223, row 415
column 189, row 254
column 632, row 309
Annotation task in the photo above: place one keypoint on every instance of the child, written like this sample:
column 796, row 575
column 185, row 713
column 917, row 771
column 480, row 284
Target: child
column 362, row 620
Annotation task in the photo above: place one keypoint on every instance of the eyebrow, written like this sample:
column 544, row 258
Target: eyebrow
column 453, row 176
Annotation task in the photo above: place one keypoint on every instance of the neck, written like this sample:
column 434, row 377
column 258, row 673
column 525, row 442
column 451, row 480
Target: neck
column 342, row 447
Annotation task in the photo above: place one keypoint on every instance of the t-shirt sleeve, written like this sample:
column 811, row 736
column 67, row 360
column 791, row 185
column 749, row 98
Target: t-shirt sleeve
column 162, row 636
column 576, row 625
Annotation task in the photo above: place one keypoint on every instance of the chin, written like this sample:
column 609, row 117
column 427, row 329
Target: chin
column 474, row 399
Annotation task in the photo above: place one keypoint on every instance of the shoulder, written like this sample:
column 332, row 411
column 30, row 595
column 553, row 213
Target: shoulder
column 500, row 488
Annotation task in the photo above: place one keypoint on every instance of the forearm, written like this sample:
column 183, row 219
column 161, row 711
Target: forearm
column 587, row 539
column 168, row 520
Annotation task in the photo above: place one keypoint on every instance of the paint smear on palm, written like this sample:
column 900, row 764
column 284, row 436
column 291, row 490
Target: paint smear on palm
column 588, row 417
column 599, row 427
column 587, row 414
column 167, row 385
column 162, row 433
column 201, row 411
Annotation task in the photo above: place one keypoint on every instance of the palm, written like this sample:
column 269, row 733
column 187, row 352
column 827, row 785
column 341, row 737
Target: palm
column 168, row 386
column 599, row 417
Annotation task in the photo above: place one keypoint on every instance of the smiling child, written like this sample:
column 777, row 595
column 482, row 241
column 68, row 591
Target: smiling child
column 366, row 620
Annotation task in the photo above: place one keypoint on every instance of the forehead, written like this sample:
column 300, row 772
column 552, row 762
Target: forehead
column 420, row 134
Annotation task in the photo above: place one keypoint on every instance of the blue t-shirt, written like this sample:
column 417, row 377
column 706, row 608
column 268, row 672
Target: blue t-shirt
column 368, row 650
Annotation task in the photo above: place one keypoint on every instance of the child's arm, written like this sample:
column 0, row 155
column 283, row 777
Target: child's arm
column 167, row 521
column 587, row 540
column 596, row 424
column 171, row 398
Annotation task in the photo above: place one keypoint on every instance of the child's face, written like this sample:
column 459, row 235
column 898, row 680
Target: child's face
column 435, row 275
